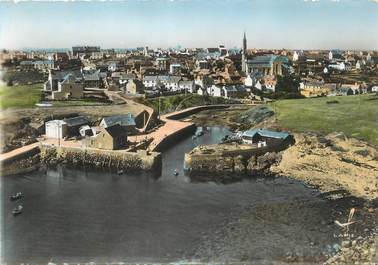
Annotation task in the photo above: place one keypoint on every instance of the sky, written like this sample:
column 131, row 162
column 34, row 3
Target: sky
column 290, row 24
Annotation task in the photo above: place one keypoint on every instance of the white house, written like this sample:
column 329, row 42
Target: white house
column 338, row 66
column 358, row 65
column 201, row 91
column 97, row 55
column 368, row 57
column 215, row 91
column 150, row 81
column 170, row 82
column 112, row 66
column 56, row 129
column 330, row 56
column 186, row 85
column 175, row 69
column 295, row 56
column 258, row 85
column 248, row 81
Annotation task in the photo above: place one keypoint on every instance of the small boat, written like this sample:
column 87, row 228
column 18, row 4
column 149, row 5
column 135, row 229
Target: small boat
column 44, row 104
column 17, row 210
column 175, row 173
column 16, row 196
column 225, row 138
column 120, row 172
column 199, row 133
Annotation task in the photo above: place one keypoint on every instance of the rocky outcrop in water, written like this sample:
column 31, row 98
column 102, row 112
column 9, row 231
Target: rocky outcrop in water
column 225, row 161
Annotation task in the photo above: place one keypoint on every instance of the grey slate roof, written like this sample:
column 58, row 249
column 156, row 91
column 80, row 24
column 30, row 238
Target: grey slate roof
column 76, row 121
column 266, row 133
column 123, row 120
column 266, row 60
column 92, row 76
column 62, row 75
column 116, row 131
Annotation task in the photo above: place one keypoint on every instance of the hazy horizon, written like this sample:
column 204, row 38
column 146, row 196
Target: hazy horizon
column 269, row 24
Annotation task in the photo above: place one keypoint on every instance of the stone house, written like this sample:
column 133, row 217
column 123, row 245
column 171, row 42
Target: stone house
column 92, row 79
column 134, row 86
column 109, row 138
column 69, row 88
column 65, row 84
column 270, row 82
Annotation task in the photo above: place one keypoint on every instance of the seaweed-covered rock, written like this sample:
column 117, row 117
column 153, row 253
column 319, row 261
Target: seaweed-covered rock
column 254, row 116
column 263, row 163
column 239, row 164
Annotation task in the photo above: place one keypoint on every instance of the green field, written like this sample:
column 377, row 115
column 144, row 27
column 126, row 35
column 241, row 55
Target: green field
column 356, row 116
column 20, row 96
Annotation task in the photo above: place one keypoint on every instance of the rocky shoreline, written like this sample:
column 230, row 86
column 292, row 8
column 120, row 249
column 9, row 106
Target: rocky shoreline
column 332, row 163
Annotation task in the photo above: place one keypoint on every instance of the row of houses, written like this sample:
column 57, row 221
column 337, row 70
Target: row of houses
column 40, row 65
column 225, row 91
column 316, row 88
column 170, row 82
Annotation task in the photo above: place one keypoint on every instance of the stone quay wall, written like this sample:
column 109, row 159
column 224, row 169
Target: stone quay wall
column 112, row 159
column 250, row 161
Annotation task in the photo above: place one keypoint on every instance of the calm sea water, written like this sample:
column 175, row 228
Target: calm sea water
column 82, row 216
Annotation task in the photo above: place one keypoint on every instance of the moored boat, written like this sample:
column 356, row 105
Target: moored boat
column 16, row 196
column 17, row 210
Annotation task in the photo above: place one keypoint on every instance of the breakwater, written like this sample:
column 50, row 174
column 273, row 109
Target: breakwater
column 222, row 161
column 111, row 159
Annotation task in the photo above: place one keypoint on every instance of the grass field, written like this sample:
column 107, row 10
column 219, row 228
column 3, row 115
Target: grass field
column 20, row 96
column 356, row 116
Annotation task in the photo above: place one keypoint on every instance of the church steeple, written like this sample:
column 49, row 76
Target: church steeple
column 244, row 54
column 244, row 44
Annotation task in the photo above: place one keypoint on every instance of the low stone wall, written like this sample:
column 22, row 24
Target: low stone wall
column 121, row 161
column 182, row 114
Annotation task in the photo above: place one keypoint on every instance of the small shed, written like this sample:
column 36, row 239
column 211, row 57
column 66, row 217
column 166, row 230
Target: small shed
column 56, row 129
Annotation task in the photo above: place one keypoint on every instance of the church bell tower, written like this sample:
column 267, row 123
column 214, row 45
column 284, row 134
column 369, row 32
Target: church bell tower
column 244, row 54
